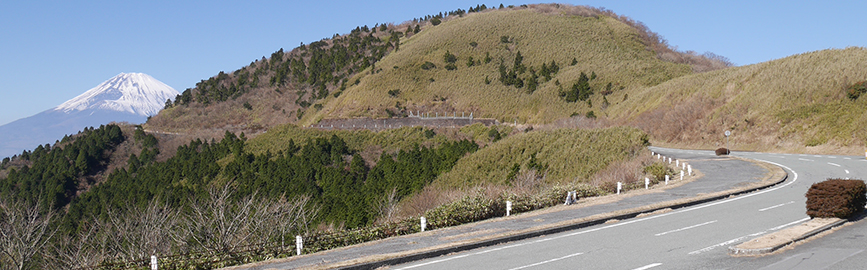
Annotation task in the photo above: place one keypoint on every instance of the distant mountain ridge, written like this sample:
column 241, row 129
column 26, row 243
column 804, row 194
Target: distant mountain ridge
column 127, row 97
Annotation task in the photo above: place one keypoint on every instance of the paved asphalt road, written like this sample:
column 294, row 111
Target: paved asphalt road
column 697, row 237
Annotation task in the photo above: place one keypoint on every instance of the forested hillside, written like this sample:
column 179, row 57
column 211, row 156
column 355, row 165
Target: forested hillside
column 330, row 178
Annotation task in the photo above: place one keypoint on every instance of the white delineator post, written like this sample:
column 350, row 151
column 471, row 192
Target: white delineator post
column 619, row 186
column 689, row 169
column 154, row 265
column 508, row 207
column 646, row 182
column 666, row 179
column 681, row 174
column 677, row 163
column 423, row 223
column 684, row 166
column 299, row 244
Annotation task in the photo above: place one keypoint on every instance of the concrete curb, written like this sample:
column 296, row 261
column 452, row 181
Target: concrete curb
column 510, row 238
column 734, row 250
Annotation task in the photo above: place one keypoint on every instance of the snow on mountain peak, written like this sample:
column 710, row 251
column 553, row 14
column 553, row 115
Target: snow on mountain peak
column 135, row 93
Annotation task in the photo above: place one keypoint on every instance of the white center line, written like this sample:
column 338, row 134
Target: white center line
column 804, row 159
column 685, row 228
column 775, row 206
column 834, row 164
column 652, row 265
column 847, row 171
column 847, row 158
column 548, row 261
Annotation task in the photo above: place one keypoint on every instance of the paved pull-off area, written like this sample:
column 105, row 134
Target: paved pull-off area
column 515, row 240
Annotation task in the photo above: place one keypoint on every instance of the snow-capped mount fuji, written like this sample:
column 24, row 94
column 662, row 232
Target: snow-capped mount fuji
column 127, row 97
column 135, row 93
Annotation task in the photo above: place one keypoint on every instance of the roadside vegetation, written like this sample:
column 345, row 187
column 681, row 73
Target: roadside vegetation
column 836, row 198
column 218, row 203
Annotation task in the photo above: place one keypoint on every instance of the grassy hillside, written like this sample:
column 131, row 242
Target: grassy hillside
column 601, row 45
column 798, row 103
column 564, row 155
column 378, row 71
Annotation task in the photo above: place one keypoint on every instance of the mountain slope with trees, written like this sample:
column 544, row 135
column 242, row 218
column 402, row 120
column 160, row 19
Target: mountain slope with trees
column 531, row 57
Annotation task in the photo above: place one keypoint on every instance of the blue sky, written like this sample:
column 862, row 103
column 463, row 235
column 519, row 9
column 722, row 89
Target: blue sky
column 53, row 51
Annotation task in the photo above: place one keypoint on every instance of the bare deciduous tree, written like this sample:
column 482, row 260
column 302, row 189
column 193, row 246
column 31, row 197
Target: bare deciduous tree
column 275, row 218
column 219, row 225
column 222, row 225
column 88, row 249
column 138, row 233
column 388, row 208
column 24, row 232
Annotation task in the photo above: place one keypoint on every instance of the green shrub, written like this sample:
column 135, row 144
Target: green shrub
column 658, row 170
column 836, row 198
column 428, row 65
column 394, row 93
column 477, row 206
column 856, row 90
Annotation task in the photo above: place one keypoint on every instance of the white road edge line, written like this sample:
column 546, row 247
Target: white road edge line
column 794, row 178
column 729, row 242
column 652, row 265
column 684, row 228
column 548, row 261
column 775, row 206
column 833, row 164
column 789, row 224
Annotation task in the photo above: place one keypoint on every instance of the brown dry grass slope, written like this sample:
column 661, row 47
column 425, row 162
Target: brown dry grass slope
column 603, row 45
column 795, row 104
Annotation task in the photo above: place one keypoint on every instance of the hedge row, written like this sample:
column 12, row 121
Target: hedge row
column 836, row 198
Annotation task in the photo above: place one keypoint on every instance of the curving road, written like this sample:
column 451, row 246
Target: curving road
column 696, row 237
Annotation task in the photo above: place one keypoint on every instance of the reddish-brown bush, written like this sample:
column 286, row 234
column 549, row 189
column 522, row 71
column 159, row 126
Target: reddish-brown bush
column 836, row 198
column 722, row 151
